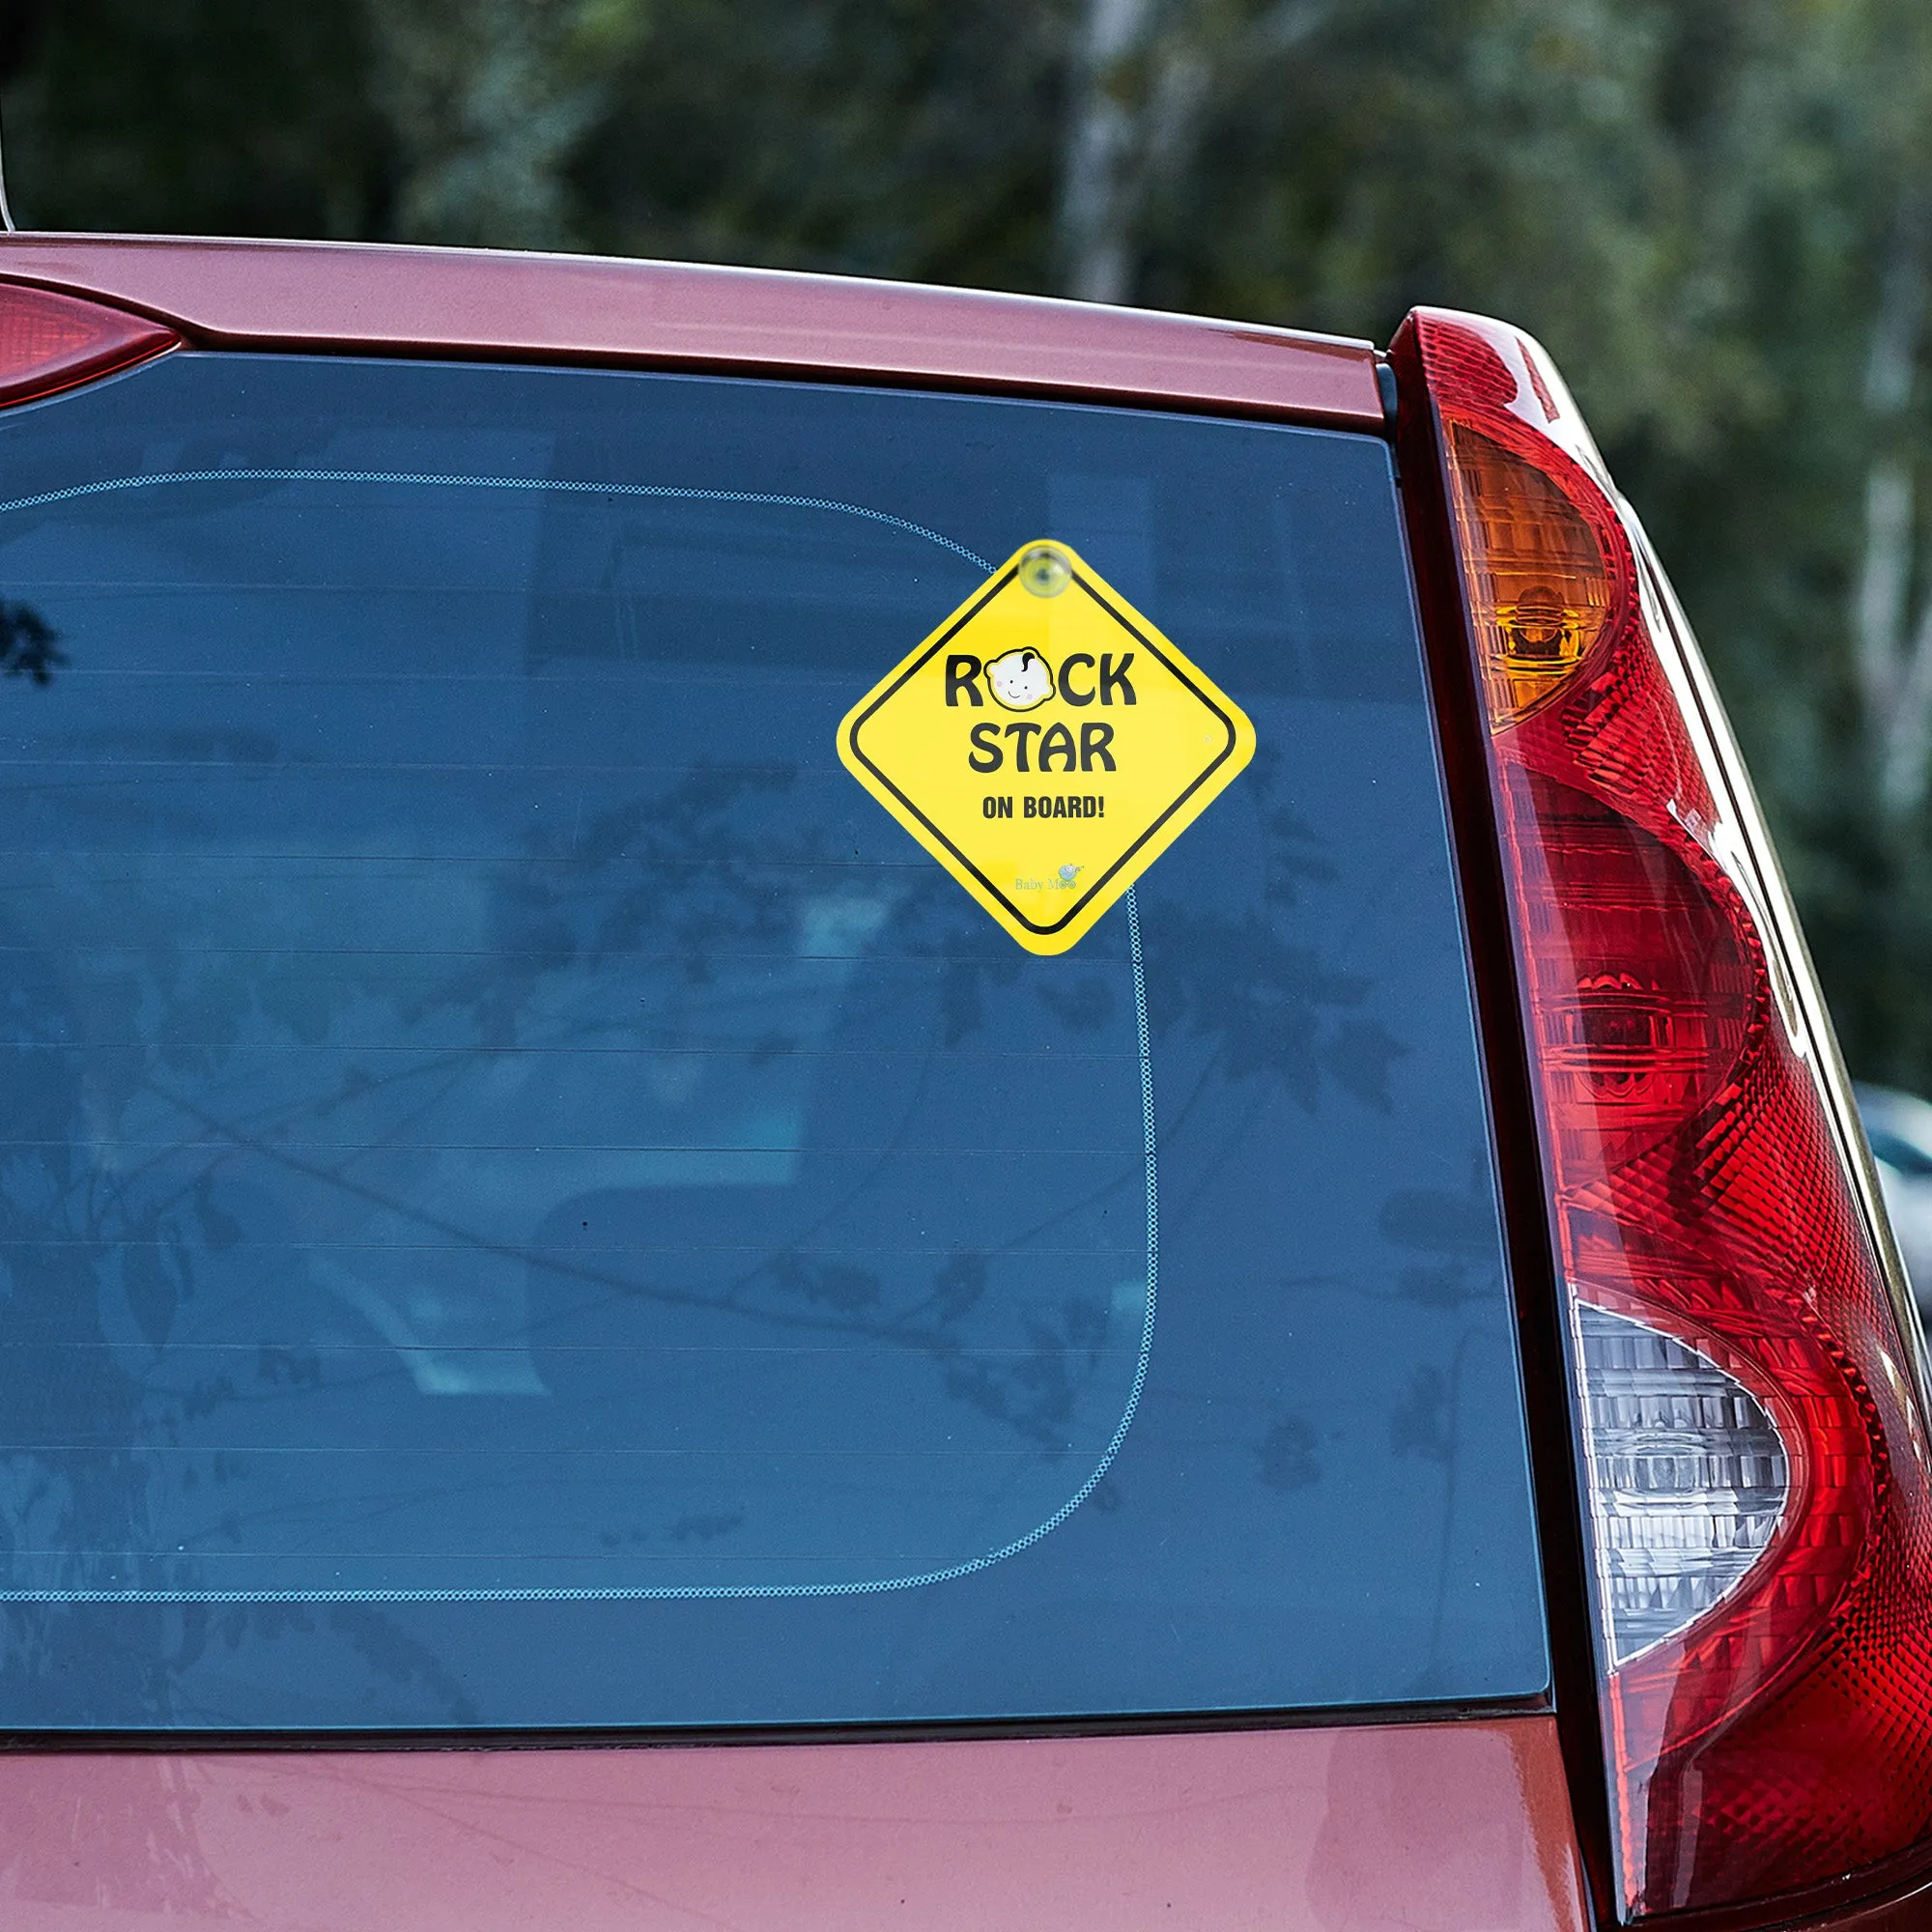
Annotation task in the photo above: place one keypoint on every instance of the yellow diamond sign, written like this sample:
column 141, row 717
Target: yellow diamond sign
column 1045, row 744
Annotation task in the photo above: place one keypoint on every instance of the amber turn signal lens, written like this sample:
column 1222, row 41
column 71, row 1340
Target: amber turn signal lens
column 1540, row 589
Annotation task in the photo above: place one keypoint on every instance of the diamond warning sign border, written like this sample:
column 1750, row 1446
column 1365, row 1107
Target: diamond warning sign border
column 933, row 645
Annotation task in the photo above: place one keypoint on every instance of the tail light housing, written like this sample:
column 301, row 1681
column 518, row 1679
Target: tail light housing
column 50, row 341
column 1746, row 1378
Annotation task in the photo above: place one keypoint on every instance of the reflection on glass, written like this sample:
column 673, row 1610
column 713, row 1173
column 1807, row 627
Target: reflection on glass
column 499, row 1132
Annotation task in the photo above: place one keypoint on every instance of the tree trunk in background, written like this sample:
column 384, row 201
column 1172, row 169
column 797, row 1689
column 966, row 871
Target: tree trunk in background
column 1097, row 184
column 1144, row 71
column 1893, row 654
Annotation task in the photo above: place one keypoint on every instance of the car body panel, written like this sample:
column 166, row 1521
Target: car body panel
column 398, row 301
column 1400, row 1827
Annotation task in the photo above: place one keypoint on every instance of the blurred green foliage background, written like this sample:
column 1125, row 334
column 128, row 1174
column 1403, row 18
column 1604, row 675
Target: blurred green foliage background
column 1716, row 213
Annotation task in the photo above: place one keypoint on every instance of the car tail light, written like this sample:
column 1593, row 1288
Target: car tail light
column 1746, row 1384
column 1687, row 1478
column 49, row 342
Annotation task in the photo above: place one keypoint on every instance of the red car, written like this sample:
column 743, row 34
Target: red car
column 836, row 1105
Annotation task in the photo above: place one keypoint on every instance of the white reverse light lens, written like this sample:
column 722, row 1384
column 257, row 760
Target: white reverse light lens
column 1687, row 1478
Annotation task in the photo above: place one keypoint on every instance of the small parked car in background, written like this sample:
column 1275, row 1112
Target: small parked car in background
column 1899, row 1130
column 839, row 1105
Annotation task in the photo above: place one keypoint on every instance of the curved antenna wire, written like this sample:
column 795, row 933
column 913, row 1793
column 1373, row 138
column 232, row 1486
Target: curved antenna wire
column 6, row 212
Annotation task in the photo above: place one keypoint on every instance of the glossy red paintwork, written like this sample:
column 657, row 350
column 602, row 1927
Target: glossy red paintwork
column 1436, row 1827
column 335, row 295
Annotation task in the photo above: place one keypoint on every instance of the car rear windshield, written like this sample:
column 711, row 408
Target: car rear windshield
column 527, row 1199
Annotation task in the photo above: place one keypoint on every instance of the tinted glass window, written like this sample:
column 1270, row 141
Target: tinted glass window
column 527, row 1199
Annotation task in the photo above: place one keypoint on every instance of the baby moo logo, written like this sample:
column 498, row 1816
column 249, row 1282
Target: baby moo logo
column 1045, row 744
column 1019, row 679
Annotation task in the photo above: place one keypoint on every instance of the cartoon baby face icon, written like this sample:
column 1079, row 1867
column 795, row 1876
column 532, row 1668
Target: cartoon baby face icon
column 1021, row 679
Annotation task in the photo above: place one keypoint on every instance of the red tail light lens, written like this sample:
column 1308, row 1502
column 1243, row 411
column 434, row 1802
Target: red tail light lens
column 50, row 341
column 1747, row 1387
